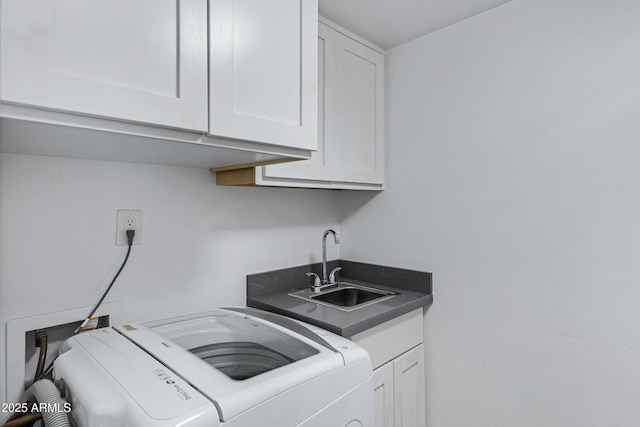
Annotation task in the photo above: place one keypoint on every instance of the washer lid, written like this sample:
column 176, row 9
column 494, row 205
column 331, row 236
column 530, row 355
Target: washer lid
column 236, row 360
column 237, row 346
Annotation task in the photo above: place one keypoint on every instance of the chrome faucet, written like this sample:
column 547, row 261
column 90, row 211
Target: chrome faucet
column 329, row 280
column 325, row 279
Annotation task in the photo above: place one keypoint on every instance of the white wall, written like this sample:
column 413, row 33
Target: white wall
column 514, row 175
column 57, row 237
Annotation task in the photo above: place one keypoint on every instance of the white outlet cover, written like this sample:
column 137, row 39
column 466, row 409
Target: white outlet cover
column 121, row 228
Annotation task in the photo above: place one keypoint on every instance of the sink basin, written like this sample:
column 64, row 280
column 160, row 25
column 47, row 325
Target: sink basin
column 346, row 296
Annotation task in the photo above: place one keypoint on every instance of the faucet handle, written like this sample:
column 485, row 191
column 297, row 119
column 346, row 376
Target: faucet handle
column 332, row 275
column 316, row 282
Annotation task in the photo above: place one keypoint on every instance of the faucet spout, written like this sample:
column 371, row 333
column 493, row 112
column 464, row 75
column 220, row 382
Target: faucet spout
column 336, row 240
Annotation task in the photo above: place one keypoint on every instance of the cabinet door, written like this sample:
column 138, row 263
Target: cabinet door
column 359, row 112
column 350, row 120
column 383, row 395
column 263, row 71
column 135, row 60
column 319, row 166
column 409, row 388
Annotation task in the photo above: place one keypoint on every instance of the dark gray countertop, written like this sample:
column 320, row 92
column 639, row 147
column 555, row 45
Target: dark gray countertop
column 270, row 291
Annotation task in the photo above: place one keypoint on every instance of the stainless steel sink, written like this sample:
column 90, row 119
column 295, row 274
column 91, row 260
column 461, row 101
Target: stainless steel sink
column 345, row 296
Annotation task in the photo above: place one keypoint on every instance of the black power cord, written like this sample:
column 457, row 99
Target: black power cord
column 130, row 234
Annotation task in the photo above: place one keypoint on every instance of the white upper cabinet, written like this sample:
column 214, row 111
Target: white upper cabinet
column 350, row 151
column 321, row 165
column 358, row 116
column 142, row 61
column 204, row 83
column 263, row 73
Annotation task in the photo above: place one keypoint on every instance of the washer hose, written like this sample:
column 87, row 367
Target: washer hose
column 46, row 392
column 25, row 420
column 41, row 341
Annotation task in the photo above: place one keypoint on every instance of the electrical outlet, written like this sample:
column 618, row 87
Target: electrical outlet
column 128, row 220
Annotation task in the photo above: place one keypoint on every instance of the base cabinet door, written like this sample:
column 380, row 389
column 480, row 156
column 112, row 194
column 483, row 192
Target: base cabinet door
column 399, row 391
column 383, row 396
column 143, row 61
column 396, row 348
column 409, row 388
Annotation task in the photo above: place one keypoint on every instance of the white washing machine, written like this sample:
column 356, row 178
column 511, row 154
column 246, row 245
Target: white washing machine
column 228, row 367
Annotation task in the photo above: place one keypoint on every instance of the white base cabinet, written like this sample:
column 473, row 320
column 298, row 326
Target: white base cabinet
column 383, row 396
column 409, row 388
column 350, row 140
column 397, row 355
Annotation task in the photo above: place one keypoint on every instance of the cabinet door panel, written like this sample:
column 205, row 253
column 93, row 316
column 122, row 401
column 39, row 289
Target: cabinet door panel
column 141, row 60
column 359, row 111
column 383, row 395
column 258, row 41
column 263, row 71
column 319, row 166
column 409, row 388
